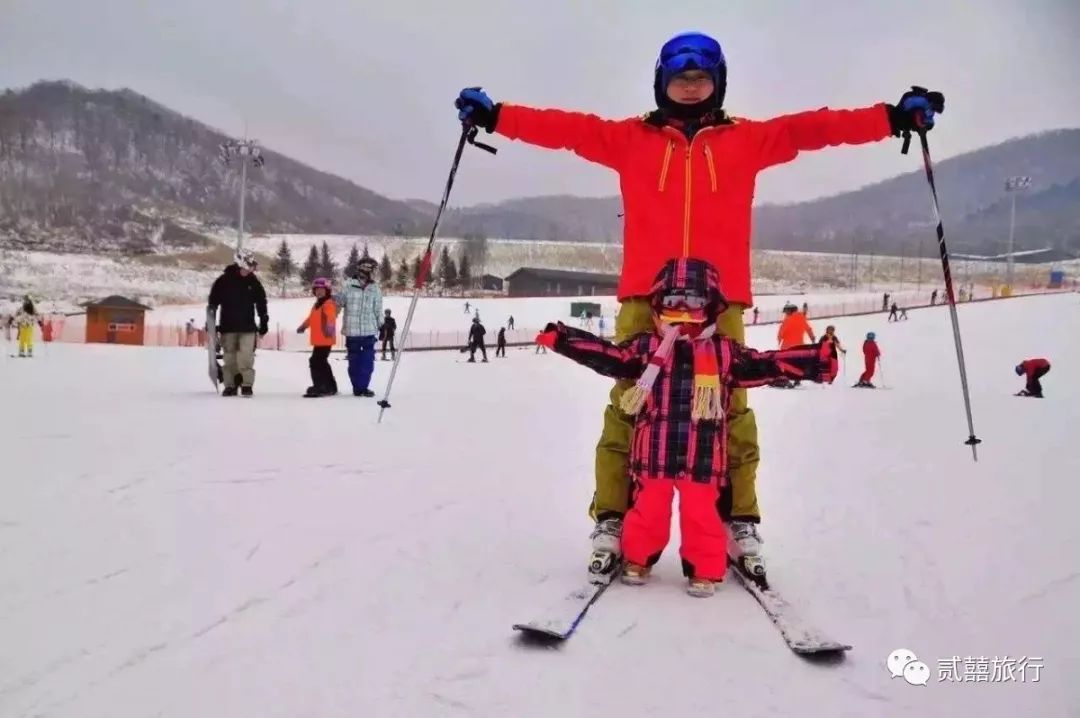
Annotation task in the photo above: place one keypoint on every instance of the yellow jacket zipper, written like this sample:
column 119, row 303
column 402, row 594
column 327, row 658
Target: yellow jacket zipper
column 689, row 185
column 667, row 161
column 712, row 169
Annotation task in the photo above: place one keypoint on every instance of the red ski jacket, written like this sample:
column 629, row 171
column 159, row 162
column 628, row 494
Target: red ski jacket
column 667, row 443
column 870, row 350
column 682, row 197
column 1031, row 366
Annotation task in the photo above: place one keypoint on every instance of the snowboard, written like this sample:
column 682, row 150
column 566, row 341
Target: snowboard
column 211, row 346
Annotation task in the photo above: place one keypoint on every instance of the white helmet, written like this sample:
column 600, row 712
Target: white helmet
column 245, row 260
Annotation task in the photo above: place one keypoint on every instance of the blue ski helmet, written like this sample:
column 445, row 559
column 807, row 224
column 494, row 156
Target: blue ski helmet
column 690, row 51
column 1019, row 369
column 871, row 336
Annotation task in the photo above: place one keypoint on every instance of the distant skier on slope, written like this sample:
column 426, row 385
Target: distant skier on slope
column 1033, row 370
column 829, row 337
column 871, row 354
column 792, row 333
column 24, row 321
column 688, row 171
column 476, row 340
column 684, row 374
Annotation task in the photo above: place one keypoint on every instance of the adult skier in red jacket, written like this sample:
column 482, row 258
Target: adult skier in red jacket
column 687, row 172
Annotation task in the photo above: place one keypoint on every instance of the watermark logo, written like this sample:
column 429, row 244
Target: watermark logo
column 903, row 663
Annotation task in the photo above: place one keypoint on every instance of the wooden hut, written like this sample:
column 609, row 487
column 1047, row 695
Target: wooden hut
column 115, row 320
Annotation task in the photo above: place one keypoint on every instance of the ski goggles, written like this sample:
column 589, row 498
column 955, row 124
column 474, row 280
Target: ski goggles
column 683, row 301
column 691, row 51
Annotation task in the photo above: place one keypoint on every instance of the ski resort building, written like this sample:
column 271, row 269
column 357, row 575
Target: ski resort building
column 533, row 282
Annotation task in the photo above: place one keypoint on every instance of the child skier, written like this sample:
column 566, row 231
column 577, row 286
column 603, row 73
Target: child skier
column 871, row 354
column 500, row 343
column 320, row 322
column 685, row 372
column 829, row 337
column 1033, row 369
column 24, row 321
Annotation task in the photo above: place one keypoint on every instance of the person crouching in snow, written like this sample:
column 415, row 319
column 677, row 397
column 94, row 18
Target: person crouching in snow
column 684, row 374
column 871, row 354
column 320, row 322
column 1033, row 369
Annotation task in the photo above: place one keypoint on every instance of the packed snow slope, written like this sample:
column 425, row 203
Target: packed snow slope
column 166, row 552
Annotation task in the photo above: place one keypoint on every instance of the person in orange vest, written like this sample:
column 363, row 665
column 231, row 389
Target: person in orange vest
column 320, row 322
column 871, row 354
column 1033, row 369
column 687, row 170
column 791, row 333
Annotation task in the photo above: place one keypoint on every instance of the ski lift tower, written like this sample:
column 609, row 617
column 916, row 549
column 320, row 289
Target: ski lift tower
column 246, row 152
column 1013, row 185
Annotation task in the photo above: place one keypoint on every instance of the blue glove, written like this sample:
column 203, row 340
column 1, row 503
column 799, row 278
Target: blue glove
column 916, row 111
column 476, row 108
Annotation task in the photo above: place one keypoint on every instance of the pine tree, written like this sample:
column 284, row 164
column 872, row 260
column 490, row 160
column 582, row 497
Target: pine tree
column 283, row 267
column 447, row 270
column 310, row 269
column 327, row 268
column 352, row 261
column 386, row 271
column 416, row 270
column 402, row 279
column 465, row 271
column 366, row 254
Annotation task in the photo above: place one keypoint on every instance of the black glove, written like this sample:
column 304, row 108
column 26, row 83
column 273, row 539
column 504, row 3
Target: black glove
column 264, row 327
column 915, row 111
column 476, row 108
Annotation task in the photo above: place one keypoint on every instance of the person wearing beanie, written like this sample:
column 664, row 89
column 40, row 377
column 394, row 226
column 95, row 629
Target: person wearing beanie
column 687, row 171
column 682, row 373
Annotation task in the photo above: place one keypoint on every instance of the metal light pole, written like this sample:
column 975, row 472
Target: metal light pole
column 1012, row 186
column 247, row 151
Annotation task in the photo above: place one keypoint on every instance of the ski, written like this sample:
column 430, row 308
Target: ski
column 211, row 346
column 559, row 620
column 801, row 637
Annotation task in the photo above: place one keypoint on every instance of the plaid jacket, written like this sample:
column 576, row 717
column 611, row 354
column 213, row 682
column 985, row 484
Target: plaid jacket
column 667, row 444
column 362, row 308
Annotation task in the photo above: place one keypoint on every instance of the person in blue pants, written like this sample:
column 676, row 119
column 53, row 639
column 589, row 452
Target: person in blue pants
column 360, row 304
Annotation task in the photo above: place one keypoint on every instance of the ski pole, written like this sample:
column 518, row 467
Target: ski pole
column 881, row 368
column 468, row 134
column 972, row 441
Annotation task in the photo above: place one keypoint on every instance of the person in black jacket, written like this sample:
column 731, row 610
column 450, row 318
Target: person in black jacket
column 240, row 295
column 476, row 340
column 500, row 343
column 386, row 334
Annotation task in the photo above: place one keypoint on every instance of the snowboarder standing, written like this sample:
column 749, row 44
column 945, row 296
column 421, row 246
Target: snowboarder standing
column 510, row 323
column 320, row 325
column 476, row 340
column 1033, row 369
column 871, row 354
column 688, row 171
column 684, row 372
column 361, row 302
column 240, row 295
column 386, row 334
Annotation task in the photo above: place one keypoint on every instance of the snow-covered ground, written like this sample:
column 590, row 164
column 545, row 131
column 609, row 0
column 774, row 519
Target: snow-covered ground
column 166, row 552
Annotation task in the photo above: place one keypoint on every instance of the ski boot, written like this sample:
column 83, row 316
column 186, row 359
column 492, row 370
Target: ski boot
column 635, row 575
column 229, row 391
column 744, row 546
column 606, row 553
column 247, row 391
column 700, row 587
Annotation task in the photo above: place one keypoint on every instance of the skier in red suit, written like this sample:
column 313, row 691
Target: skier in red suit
column 685, row 373
column 1033, row 369
column 871, row 353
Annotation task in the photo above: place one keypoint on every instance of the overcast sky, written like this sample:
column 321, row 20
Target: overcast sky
column 365, row 89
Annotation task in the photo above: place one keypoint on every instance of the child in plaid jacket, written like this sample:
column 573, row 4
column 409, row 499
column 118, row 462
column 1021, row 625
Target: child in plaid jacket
column 684, row 373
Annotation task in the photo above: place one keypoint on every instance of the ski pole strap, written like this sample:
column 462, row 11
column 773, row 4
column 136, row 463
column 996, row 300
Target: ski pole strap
column 481, row 145
column 906, row 134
